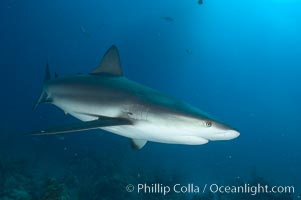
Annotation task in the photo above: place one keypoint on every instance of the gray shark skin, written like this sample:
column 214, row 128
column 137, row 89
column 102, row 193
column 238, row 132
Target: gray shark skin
column 107, row 100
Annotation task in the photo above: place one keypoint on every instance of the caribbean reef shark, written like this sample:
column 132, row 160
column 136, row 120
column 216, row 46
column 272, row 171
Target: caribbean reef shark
column 105, row 99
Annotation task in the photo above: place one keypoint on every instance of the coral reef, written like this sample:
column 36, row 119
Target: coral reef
column 54, row 190
column 93, row 177
column 15, row 182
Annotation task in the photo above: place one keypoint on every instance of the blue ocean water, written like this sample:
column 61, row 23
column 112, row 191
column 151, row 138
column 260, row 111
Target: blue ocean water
column 237, row 60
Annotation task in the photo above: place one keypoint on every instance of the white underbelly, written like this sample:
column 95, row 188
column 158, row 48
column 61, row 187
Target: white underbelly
column 155, row 133
column 146, row 130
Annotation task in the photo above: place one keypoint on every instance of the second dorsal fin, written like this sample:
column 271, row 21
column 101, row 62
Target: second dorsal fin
column 110, row 63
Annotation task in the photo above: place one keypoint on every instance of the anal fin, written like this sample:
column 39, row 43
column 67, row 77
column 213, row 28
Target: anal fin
column 138, row 143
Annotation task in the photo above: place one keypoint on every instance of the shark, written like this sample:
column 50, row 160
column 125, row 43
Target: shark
column 105, row 99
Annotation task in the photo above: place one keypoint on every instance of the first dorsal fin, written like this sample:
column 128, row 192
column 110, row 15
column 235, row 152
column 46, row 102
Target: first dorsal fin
column 110, row 63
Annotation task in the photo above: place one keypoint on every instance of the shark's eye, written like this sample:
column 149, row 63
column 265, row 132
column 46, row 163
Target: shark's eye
column 208, row 123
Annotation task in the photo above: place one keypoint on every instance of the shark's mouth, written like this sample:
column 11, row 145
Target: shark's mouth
column 226, row 135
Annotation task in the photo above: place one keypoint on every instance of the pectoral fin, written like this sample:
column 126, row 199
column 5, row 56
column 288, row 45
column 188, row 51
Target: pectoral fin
column 82, row 126
column 138, row 144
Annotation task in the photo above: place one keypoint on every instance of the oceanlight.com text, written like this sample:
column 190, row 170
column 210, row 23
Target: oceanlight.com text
column 251, row 189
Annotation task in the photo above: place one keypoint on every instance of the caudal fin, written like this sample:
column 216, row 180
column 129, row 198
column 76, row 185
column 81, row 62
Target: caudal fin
column 43, row 96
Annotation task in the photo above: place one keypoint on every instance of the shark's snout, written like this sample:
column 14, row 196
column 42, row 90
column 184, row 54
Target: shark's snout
column 231, row 134
column 220, row 131
column 226, row 132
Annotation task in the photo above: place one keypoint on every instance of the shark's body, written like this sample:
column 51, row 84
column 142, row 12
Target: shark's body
column 106, row 99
